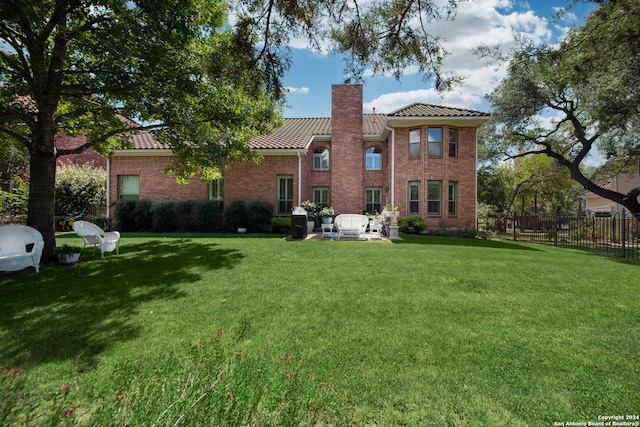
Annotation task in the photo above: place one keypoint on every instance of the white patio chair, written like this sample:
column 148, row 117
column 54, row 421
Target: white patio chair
column 375, row 228
column 20, row 247
column 104, row 241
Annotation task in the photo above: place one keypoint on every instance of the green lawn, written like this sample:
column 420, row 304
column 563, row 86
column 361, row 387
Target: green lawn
column 263, row 331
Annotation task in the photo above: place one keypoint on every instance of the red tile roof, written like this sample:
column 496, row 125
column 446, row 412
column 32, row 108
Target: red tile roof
column 297, row 133
column 429, row 110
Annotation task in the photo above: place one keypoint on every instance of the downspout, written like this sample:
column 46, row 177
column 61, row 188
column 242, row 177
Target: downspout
column 299, row 179
column 393, row 162
column 476, row 195
column 108, row 213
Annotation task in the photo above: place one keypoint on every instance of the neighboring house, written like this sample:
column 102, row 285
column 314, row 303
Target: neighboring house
column 421, row 155
column 87, row 156
column 622, row 183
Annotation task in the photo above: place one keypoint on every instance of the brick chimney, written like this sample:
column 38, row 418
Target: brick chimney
column 347, row 150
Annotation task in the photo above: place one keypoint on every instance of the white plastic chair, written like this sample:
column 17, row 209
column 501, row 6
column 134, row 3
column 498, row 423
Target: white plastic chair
column 105, row 241
column 20, row 247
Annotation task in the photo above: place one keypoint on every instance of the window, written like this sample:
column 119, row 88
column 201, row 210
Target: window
column 374, row 159
column 321, row 197
column 434, row 197
column 453, row 195
column 320, row 159
column 414, row 143
column 373, row 199
column 216, row 193
column 285, row 195
column 414, row 198
column 453, row 142
column 435, row 142
column 128, row 187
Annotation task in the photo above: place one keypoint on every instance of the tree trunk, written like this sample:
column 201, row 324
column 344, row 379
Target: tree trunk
column 42, row 191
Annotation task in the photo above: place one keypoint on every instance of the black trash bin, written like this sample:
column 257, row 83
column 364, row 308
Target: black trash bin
column 299, row 223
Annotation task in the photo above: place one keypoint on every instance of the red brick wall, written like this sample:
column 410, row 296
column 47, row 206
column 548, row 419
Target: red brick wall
column 155, row 185
column 252, row 182
column 346, row 178
column 461, row 169
column 347, row 156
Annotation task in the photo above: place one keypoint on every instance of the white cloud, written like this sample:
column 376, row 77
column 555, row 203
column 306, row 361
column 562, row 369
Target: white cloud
column 489, row 22
column 297, row 90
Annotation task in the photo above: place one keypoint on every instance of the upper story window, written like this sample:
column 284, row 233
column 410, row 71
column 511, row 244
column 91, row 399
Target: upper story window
column 453, row 142
column 435, row 142
column 321, row 159
column 414, row 143
column 374, row 159
column 128, row 187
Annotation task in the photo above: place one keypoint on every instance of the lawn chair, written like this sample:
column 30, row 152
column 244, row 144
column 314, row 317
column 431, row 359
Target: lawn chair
column 105, row 241
column 20, row 247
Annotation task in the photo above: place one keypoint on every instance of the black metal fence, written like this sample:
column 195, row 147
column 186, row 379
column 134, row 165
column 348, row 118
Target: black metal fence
column 616, row 234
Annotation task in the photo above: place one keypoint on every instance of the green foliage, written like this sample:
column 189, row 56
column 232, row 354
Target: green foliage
column 412, row 224
column 15, row 203
column 594, row 97
column 311, row 208
column 280, row 225
column 184, row 211
column 206, row 216
column 124, row 213
column 463, row 233
column 142, row 215
column 259, row 216
column 79, row 188
column 235, row 215
column 164, row 217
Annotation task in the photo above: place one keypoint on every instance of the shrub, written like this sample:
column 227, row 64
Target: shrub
column 123, row 210
column 142, row 216
column 164, row 217
column 259, row 217
column 184, row 211
column 206, row 216
column 412, row 224
column 15, row 203
column 235, row 215
column 280, row 225
column 79, row 188
column 465, row 232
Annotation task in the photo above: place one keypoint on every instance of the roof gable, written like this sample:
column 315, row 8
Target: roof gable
column 429, row 110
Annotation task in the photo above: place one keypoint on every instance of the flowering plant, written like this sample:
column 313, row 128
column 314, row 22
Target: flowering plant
column 311, row 208
column 327, row 212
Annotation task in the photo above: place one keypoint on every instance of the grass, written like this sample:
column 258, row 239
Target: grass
column 190, row 330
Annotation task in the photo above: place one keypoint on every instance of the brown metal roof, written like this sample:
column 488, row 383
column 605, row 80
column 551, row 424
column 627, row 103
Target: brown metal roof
column 429, row 110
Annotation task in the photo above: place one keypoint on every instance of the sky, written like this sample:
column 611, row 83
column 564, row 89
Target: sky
column 478, row 21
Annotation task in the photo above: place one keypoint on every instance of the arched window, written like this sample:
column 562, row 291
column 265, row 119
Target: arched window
column 321, row 159
column 374, row 159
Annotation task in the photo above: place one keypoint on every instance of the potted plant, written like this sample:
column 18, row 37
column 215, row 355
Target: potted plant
column 327, row 214
column 68, row 254
column 312, row 213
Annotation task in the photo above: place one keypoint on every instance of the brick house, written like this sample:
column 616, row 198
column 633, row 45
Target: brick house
column 422, row 155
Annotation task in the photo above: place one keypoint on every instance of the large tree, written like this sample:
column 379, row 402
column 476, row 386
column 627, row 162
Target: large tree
column 205, row 75
column 569, row 101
